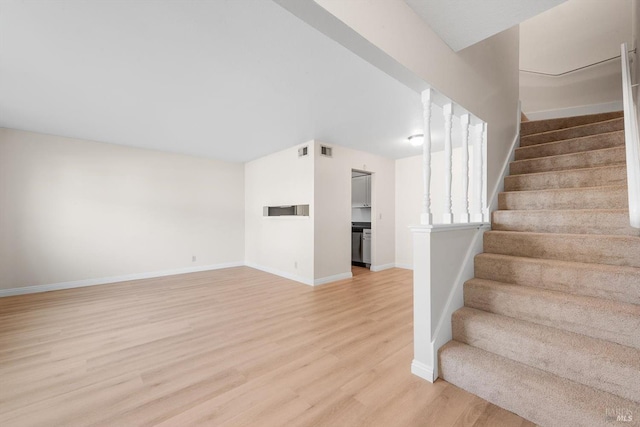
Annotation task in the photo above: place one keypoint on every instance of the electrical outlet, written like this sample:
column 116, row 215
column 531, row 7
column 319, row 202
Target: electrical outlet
column 380, row 216
column 193, row 258
column 295, row 264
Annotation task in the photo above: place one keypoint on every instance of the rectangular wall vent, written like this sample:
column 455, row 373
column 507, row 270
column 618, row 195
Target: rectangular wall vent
column 303, row 151
column 326, row 151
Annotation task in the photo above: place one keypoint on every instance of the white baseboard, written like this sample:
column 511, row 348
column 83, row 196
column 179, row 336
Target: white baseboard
column 575, row 111
column 153, row 274
column 381, row 267
column 280, row 273
column 334, row 278
column 316, row 282
column 113, row 279
column 423, row 371
column 405, row 266
column 499, row 187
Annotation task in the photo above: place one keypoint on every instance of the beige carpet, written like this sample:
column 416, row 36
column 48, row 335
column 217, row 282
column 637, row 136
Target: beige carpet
column 551, row 324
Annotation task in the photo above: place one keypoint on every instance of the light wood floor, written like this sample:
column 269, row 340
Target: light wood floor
column 231, row 347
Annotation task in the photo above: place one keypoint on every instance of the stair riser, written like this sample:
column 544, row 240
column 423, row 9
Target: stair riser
column 610, row 156
column 528, row 128
column 565, row 222
column 614, row 283
column 603, row 176
column 567, row 355
column 531, row 393
column 576, row 132
column 588, row 198
column 596, row 142
column 612, row 250
column 621, row 327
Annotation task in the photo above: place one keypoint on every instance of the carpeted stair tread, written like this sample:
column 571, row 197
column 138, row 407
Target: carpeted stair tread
column 604, row 197
column 595, row 280
column 569, row 146
column 589, row 248
column 539, row 126
column 573, row 132
column 587, row 177
column 571, row 221
column 559, row 352
column 536, row 395
column 587, row 159
column 594, row 317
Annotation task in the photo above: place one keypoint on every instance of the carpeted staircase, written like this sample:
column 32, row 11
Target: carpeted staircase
column 550, row 329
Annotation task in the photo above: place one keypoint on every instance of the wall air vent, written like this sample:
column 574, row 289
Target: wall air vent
column 326, row 151
column 303, row 151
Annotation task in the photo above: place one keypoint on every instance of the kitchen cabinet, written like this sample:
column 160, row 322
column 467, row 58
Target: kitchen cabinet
column 361, row 191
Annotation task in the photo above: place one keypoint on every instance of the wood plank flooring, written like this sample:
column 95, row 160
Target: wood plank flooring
column 233, row 347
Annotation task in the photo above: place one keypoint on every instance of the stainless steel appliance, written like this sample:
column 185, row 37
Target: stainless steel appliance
column 361, row 244
column 366, row 246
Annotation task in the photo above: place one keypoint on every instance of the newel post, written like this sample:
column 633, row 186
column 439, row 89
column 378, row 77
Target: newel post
column 485, row 207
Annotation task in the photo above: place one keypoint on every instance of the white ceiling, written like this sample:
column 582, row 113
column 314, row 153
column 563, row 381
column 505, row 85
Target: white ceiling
column 462, row 23
column 232, row 80
column 575, row 34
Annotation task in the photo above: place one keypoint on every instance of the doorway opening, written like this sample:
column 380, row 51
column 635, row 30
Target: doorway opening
column 361, row 208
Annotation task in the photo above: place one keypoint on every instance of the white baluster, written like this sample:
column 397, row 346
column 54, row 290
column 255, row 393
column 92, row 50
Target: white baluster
column 485, row 208
column 426, row 218
column 464, row 124
column 478, row 173
column 447, row 217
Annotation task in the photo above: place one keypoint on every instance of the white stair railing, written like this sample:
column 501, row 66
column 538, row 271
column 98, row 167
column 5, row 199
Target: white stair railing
column 632, row 141
column 450, row 232
column 474, row 137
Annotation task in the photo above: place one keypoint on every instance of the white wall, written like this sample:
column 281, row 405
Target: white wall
column 333, row 210
column 87, row 212
column 75, row 210
column 409, row 196
column 593, row 90
column 482, row 78
column 280, row 245
column 408, row 206
column 575, row 34
column 439, row 290
column 315, row 249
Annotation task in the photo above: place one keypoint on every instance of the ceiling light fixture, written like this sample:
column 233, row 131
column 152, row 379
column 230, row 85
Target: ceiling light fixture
column 416, row 140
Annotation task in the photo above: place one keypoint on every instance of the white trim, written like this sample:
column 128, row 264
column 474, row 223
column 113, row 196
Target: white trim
column 499, row 186
column 439, row 228
column 280, row 273
column 423, row 371
column 632, row 140
column 575, row 111
column 112, row 279
column 382, row 267
column 404, row 266
column 334, row 278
